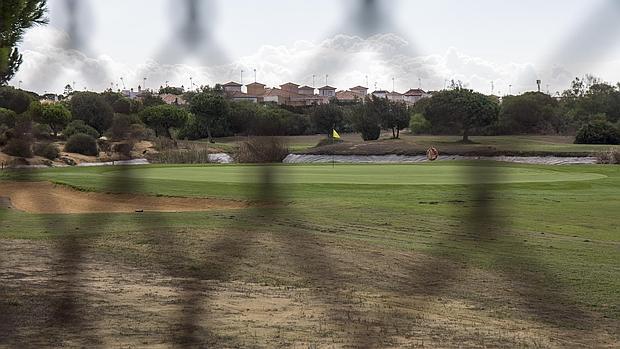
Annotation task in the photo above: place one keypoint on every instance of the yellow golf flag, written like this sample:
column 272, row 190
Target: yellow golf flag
column 335, row 135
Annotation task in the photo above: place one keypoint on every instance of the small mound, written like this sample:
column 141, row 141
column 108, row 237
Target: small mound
column 44, row 197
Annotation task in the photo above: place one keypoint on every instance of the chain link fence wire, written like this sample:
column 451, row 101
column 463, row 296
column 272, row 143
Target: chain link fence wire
column 65, row 310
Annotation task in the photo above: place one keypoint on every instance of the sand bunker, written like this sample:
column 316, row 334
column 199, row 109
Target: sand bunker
column 44, row 197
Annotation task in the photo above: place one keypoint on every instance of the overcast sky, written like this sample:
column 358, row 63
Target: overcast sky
column 355, row 42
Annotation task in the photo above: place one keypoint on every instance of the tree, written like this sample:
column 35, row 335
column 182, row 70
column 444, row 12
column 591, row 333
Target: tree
column 598, row 132
column 531, row 112
column 460, row 110
column 14, row 99
column 16, row 16
column 366, row 121
column 393, row 115
column 209, row 108
column 93, row 109
column 171, row 90
column 164, row 117
column 326, row 117
column 57, row 116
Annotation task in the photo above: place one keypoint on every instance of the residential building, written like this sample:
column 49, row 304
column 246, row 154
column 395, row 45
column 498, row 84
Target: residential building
column 256, row 89
column 306, row 91
column 395, row 96
column 170, row 98
column 232, row 87
column 380, row 93
column 348, row 96
column 414, row 95
column 359, row 90
column 327, row 91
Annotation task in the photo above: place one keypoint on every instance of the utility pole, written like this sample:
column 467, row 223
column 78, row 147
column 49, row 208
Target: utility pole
column 191, row 83
column 538, row 82
column 367, row 84
column 20, row 84
column 144, row 84
column 393, row 85
column 419, row 83
column 326, row 79
column 122, row 80
column 510, row 90
column 166, row 83
column 255, row 80
column 241, row 76
column 313, row 80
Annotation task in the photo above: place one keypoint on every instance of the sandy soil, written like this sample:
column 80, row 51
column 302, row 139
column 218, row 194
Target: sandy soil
column 53, row 296
column 44, row 197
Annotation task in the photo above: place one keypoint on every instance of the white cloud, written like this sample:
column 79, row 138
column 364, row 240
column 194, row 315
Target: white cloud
column 48, row 66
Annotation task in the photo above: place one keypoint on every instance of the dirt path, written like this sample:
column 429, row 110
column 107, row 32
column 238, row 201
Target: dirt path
column 44, row 197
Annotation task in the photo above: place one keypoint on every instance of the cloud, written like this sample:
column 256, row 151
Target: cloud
column 348, row 60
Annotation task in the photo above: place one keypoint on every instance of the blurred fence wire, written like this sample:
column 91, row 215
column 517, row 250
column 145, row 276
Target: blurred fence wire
column 61, row 310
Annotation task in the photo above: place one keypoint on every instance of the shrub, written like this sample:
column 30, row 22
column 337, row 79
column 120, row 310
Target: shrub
column 47, row 150
column 41, row 131
column 20, row 147
column 370, row 132
column 419, row 125
column 82, row 144
column 598, row 132
column 611, row 156
column 123, row 149
column 79, row 126
column 164, row 143
column 262, row 150
column 192, row 155
column 7, row 117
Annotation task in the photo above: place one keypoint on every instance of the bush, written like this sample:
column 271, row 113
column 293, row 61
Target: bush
column 164, row 143
column 262, row 150
column 41, row 131
column 7, row 117
column 419, row 125
column 193, row 155
column 20, row 147
column 370, row 132
column 598, row 132
column 611, row 156
column 123, row 149
column 79, row 126
column 82, row 144
column 47, row 150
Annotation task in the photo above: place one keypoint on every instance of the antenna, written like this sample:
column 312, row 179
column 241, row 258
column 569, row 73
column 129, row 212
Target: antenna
column 393, row 85
column 510, row 90
column 241, row 76
column 144, row 84
column 255, row 76
column 326, row 79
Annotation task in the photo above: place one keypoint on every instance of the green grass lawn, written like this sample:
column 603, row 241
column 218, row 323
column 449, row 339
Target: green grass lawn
column 556, row 224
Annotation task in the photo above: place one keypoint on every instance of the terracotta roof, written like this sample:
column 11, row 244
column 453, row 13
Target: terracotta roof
column 347, row 95
column 231, row 84
column 256, row 84
column 274, row 92
column 358, row 88
column 394, row 93
column 327, row 88
column 171, row 99
column 415, row 92
column 306, row 88
column 290, row 84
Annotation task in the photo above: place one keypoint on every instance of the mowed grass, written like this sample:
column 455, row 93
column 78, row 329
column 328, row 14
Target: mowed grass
column 555, row 225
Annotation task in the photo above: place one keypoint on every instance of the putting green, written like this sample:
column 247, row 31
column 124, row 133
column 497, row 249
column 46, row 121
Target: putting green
column 356, row 174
